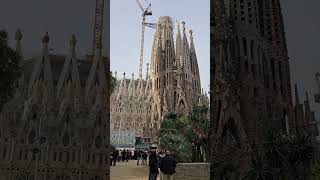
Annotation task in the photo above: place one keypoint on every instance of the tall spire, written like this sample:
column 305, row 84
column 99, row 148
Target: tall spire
column 296, row 94
column 185, row 46
column 307, row 103
column 18, row 38
column 70, row 68
column 147, row 73
column 178, row 46
column 193, row 56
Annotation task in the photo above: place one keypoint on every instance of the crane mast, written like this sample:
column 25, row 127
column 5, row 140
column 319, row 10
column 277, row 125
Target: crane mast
column 98, row 26
column 145, row 12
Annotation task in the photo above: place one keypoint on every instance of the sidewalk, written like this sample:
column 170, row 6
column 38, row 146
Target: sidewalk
column 129, row 171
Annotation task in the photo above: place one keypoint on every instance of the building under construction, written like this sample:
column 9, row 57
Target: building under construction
column 171, row 84
column 57, row 124
column 250, row 83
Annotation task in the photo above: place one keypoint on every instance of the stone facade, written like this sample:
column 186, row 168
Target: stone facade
column 173, row 84
column 57, row 124
column 250, row 82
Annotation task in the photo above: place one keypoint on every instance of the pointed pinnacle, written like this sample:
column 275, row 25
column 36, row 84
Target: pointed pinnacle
column 73, row 40
column 18, row 35
column 46, row 38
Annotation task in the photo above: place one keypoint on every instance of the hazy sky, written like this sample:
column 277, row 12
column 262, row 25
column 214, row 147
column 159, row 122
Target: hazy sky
column 61, row 18
column 303, row 36
column 126, row 32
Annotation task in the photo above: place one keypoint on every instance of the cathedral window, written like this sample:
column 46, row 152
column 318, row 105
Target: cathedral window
column 20, row 154
column 259, row 58
column 31, row 137
column 60, row 156
column 273, row 70
column 253, row 71
column 280, row 70
column 244, row 43
column 93, row 158
column 246, row 67
column 100, row 159
column 67, row 156
column 39, row 154
column 79, row 154
column 4, row 153
column 88, row 158
column 238, row 46
column 65, row 139
column 26, row 153
column 255, row 92
column 98, row 142
column 252, row 49
column 73, row 156
column 33, row 156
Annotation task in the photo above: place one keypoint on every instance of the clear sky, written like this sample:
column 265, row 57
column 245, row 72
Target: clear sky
column 125, row 32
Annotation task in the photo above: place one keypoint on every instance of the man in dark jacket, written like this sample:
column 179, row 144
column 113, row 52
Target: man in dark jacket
column 168, row 166
column 138, row 157
column 153, row 166
column 115, row 155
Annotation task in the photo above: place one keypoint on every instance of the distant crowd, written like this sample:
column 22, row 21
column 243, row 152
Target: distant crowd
column 166, row 162
column 125, row 155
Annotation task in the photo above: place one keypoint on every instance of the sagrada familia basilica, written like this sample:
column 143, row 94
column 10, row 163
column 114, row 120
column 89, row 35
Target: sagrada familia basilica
column 56, row 126
column 250, row 83
column 172, row 84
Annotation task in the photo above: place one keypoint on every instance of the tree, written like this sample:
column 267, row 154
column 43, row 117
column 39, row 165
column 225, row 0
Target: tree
column 198, row 131
column 283, row 157
column 112, row 82
column 9, row 69
column 186, row 136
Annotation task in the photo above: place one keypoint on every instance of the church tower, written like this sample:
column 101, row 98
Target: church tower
column 251, row 88
column 175, row 72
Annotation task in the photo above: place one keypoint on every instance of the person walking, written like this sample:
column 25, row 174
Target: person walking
column 168, row 166
column 153, row 166
column 138, row 157
column 115, row 155
column 123, row 155
column 128, row 155
column 111, row 159
column 119, row 156
column 144, row 158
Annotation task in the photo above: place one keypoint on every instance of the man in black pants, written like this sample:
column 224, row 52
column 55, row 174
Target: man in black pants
column 153, row 166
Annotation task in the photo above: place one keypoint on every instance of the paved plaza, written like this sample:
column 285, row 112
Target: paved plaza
column 129, row 171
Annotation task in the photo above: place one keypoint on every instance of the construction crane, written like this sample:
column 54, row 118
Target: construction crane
column 145, row 12
column 98, row 26
column 317, row 96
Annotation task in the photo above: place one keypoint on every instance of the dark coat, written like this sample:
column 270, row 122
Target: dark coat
column 153, row 163
column 168, row 165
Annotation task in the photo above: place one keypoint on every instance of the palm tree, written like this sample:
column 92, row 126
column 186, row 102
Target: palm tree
column 259, row 168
